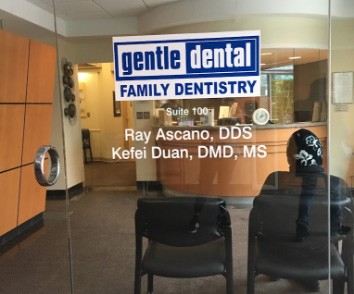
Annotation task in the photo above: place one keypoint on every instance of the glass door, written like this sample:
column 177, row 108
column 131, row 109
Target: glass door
column 291, row 145
column 341, row 103
column 273, row 181
column 34, row 238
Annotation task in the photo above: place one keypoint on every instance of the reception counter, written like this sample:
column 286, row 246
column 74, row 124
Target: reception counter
column 224, row 160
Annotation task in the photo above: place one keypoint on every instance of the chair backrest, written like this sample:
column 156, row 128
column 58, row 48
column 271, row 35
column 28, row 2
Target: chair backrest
column 182, row 221
column 275, row 213
column 86, row 140
column 276, row 216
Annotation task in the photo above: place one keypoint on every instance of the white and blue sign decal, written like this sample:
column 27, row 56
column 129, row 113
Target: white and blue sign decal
column 209, row 65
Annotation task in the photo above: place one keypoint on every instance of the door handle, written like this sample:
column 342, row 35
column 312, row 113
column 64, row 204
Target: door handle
column 39, row 166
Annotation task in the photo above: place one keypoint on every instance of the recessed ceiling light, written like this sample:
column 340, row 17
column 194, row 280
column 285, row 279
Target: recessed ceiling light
column 266, row 53
column 294, row 57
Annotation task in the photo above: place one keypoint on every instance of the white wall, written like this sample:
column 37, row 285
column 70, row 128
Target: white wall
column 73, row 143
column 276, row 31
column 90, row 84
column 72, row 169
column 342, row 116
column 56, row 137
column 105, row 128
column 145, row 168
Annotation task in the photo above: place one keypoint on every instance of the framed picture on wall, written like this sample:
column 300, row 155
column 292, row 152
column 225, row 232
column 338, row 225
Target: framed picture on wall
column 342, row 87
column 117, row 108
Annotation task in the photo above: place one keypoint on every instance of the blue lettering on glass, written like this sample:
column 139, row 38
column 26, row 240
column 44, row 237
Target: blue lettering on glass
column 214, row 88
column 221, row 56
column 159, row 59
column 143, row 90
column 196, row 58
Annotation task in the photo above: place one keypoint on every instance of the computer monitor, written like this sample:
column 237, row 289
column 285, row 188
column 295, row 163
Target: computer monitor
column 224, row 111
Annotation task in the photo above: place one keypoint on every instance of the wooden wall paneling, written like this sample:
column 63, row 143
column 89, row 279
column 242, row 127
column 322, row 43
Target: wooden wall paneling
column 226, row 177
column 41, row 73
column 32, row 195
column 14, row 51
column 38, row 126
column 11, row 135
column 26, row 68
column 9, row 183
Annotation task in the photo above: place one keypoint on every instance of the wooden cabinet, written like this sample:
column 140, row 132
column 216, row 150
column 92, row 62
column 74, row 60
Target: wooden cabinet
column 27, row 75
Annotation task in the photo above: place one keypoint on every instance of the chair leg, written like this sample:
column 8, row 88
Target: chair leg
column 348, row 258
column 137, row 283
column 251, row 273
column 350, row 275
column 85, row 158
column 229, row 283
column 150, row 283
column 338, row 286
column 250, row 283
column 350, row 282
column 350, row 271
column 350, row 285
column 91, row 154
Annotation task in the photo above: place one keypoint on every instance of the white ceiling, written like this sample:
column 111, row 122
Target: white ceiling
column 98, row 9
column 82, row 18
column 105, row 18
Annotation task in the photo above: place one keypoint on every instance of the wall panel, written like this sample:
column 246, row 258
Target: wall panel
column 37, row 129
column 11, row 134
column 41, row 73
column 32, row 195
column 14, row 52
column 9, row 183
column 27, row 75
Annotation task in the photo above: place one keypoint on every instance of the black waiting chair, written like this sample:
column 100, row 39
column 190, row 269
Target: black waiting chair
column 274, row 251
column 86, row 143
column 187, row 237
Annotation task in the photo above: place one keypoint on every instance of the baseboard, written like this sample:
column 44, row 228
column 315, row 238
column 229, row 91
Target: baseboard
column 61, row 194
column 149, row 186
column 21, row 232
column 107, row 160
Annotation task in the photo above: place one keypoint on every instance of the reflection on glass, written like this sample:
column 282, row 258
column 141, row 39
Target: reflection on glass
column 34, row 252
column 296, row 90
column 289, row 220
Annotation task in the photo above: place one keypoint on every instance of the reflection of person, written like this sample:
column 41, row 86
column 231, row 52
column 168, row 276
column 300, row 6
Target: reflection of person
column 174, row 105
column 235, row 110
column 303, row 185
column 306, row 161
column 306, row 176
